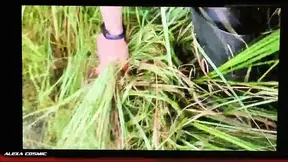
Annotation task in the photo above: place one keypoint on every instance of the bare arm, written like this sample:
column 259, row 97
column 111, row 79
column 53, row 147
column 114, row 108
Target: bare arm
column 112, row 18
column 108, row 50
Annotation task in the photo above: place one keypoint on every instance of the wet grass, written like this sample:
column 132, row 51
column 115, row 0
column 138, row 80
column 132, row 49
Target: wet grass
column 159, row 104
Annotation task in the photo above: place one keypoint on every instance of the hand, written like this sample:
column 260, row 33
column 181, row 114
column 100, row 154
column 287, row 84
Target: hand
column 110, row 51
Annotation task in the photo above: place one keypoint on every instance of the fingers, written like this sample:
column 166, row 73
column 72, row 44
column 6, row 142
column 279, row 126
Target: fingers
column 125, row 68
column 111, row 51
column 100, row 68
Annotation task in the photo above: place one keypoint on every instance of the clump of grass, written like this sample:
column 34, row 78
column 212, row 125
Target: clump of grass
column 159, row 104
column 91, row 116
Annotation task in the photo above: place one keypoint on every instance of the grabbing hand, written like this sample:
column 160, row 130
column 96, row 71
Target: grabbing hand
column 109, row 51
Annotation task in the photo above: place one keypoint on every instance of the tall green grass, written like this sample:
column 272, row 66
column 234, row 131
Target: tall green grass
column 155, row 105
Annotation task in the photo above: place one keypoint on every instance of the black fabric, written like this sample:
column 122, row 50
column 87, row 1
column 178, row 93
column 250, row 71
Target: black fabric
column 214, row 41
column 244, row 20
column 219, row 44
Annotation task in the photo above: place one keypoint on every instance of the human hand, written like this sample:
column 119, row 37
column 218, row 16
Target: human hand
column 109, row 51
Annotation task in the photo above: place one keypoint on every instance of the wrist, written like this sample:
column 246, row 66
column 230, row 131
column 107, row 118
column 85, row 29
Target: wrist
column 113, row 33
column 114, row 30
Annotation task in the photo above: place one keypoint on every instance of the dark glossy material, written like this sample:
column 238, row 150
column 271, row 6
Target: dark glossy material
column 220, row 42
column 245, row 20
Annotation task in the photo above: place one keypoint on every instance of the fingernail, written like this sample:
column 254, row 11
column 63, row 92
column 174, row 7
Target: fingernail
column 125, row 68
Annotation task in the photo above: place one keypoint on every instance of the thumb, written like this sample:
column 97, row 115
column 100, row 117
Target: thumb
column 124, row 63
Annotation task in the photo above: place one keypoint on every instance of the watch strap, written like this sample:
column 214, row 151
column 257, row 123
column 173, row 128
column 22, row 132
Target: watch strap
column 109, row 36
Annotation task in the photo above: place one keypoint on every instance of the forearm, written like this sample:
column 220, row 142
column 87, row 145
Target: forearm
column 112, row 18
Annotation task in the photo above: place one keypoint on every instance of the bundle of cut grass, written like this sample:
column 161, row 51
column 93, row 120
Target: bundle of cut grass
column 89, row 127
